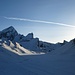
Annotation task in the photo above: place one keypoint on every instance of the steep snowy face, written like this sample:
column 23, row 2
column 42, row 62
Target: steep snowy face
column 32, row 44
column 8, row 33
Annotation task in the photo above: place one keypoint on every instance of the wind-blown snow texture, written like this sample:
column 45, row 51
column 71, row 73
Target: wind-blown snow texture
column 60, row 61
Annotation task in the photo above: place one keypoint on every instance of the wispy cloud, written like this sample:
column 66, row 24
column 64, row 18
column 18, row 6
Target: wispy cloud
column 39, row 21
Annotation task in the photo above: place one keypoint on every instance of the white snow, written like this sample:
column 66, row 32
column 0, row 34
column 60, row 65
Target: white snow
column 24, row 55
column 18, row 49
column 58, row 62
column 68, row 48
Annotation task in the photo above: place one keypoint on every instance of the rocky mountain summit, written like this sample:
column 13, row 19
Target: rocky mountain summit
column 10, row 35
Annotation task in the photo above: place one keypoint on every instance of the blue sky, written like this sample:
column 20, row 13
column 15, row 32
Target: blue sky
column 56, row 11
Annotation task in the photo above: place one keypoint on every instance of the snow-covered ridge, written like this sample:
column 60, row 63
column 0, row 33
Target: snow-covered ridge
column 28, row 42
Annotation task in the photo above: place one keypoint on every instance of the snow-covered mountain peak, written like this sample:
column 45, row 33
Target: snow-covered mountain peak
column 8, row 33
column 29, row 36
column 11, row 28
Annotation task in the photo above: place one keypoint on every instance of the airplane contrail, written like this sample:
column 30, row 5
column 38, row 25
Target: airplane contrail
column 39, row 21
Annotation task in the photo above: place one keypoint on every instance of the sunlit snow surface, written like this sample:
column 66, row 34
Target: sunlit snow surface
column 58, row 62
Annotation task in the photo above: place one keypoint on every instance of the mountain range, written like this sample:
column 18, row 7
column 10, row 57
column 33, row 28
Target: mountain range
column 26, row 55
column 19, row 43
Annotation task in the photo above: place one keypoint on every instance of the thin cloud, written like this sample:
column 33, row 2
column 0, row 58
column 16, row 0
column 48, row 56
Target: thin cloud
column 39, row 21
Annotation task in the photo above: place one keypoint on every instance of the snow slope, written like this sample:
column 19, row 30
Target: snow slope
column 58, row 62
column 18, row 49
column 67, row 49
column 20, row 55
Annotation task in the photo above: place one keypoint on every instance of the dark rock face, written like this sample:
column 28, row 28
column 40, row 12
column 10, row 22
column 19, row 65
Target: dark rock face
column 29, row 36
column 73, row 41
